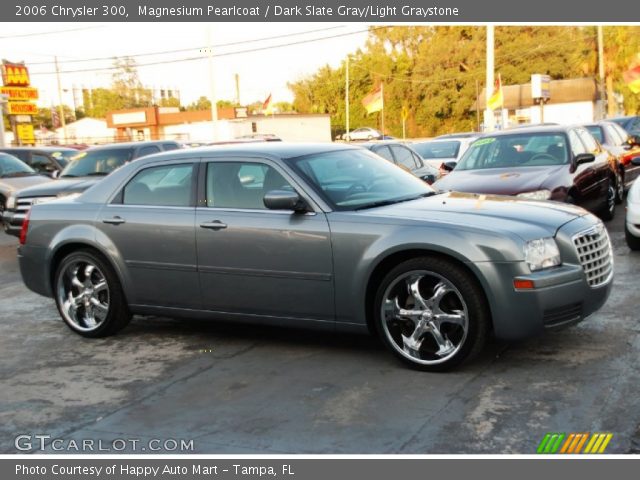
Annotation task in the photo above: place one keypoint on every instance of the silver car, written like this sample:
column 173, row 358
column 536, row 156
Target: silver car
column 15, row 175
column 327, row 236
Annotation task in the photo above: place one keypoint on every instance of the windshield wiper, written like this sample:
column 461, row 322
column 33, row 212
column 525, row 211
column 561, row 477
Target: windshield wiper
column 97, row 174
column 18, row 174
column 383, row 203
column 68, row 175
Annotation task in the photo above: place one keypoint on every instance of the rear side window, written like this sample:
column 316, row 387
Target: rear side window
column 577, row 147
column 615, row 136
column 147, row 150
column 169, row 186
column 170, row 146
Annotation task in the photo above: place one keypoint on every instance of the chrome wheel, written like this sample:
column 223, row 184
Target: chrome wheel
column 619, row 188
column 424, row 317
column 83, row 295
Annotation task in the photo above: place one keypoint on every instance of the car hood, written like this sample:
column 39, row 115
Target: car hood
column 526, row 218
column 63, row 185
column 499, row 181
column 18, row 183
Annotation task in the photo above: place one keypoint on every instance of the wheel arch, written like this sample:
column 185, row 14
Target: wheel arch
column 388, row 262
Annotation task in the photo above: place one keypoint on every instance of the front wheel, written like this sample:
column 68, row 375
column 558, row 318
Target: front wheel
column 431, row 313
column 632, row 241
column 89, row 296
column 609, row 207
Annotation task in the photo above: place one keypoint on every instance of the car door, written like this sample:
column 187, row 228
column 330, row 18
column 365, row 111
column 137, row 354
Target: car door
column 255, row 261
column 151, row 225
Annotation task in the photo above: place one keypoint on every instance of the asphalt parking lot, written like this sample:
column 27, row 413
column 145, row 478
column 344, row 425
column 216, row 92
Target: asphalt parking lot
column 243, row 389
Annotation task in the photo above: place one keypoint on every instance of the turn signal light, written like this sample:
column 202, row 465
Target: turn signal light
column 24, row 229
column 523, row 284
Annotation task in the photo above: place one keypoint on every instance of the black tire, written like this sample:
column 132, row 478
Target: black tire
column 608, row 210
column 619, row 188
column 632, row 241
column 465, row 288
column 117, row 313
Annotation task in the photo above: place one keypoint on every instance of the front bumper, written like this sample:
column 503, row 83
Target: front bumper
column 12, row 222
column 633, row 219
column 560, row 296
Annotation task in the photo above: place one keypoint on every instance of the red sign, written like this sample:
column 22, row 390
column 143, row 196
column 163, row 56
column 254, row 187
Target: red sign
column 15, row 75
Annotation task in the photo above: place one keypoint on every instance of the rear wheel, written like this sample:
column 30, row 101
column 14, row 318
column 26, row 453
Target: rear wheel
column 632, row 241
column 89, row 296
column 431, row 313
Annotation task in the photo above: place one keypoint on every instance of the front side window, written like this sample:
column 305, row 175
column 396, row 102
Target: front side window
column 404, row 157
column 41, row 163
column 168, row 186
column 429, row 150
column 516, row 150
column 242, row 184
column 385, row 153
column 588, row 140
column 98, row 162
column 577, row 147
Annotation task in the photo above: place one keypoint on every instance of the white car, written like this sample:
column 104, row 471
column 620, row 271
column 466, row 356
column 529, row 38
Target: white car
column 442, row 150
column 363, row 133
column 632, row 223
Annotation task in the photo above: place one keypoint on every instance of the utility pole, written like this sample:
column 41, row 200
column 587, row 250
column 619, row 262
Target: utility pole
column 601, row 87
column 60, row 109
column 214, row 101
column 489, row 118
column 346, row 97
column 237, row 78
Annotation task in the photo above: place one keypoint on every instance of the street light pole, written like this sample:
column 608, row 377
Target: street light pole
column 346, row 98
column 60, row 108
column 489, row 118
column 601, row 89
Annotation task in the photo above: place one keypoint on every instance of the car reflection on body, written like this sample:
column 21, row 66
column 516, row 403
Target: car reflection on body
column 329, row 236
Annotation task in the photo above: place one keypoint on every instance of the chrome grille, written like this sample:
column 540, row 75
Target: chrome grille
column 596, row 255
column 23, row 205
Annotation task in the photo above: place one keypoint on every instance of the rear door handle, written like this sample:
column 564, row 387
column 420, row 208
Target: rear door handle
column 114, row 220
column 214, row 225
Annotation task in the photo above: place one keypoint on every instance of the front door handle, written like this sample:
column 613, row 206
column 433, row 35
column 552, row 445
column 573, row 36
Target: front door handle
column 214, row 225
column 114, row 220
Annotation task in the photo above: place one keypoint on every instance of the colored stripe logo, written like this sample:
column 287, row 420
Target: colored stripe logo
column 574, row 443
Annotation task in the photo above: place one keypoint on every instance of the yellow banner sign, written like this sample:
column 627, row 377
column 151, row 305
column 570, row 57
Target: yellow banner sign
column 20, row 93
column 22, row 108
column 25, row 133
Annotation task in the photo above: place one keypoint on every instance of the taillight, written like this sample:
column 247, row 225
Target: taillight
column 24, row 229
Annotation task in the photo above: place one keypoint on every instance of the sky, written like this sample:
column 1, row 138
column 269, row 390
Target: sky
column 262, row 72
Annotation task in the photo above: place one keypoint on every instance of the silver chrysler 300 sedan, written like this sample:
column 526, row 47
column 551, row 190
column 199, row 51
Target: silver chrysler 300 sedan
column 319, row 235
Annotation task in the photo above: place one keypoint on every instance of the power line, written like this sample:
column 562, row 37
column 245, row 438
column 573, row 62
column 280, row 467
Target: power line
column 226, row 54
column 182, row 50
column 50, row 32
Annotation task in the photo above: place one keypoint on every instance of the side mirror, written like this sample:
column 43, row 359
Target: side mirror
column 430, row 178
column 584, row 158
column 636, row 161
column 55, row 174
column 449, row 166
column 284, row 200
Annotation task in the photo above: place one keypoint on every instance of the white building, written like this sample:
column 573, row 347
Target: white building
column 88, row 130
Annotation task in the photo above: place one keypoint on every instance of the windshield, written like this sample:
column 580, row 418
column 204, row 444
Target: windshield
column 355, row 179
column 429, row 150
column 517, row 150
column 10, row 166
column 596, row 132
column 96, row 162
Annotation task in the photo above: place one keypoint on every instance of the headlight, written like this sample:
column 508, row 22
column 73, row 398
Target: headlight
column 11, row 203
column 69, row 195
column 536, row 195
column 541, row 253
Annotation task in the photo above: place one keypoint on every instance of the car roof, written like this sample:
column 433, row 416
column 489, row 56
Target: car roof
column 532, row 129
column 124, row 145
column 458, row 135
column 282, row 150
column 41, row 149
column 370, row 145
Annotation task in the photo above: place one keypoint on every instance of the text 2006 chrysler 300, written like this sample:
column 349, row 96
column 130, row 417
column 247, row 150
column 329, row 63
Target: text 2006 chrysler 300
column 322, row 235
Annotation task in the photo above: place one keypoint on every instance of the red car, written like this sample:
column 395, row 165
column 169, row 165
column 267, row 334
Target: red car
column 562, row 163
column 624, row 147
